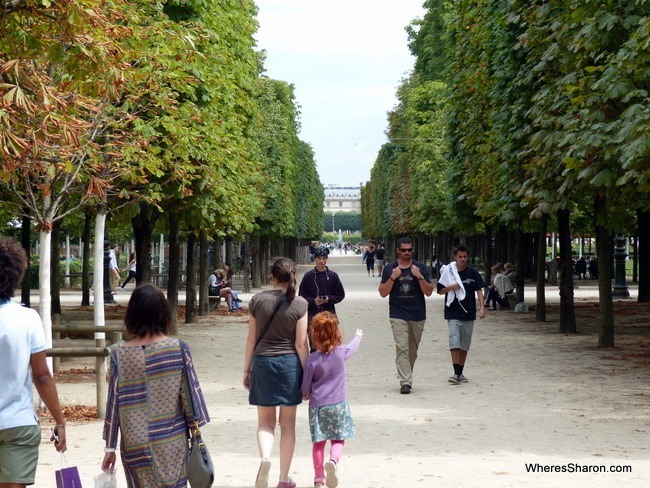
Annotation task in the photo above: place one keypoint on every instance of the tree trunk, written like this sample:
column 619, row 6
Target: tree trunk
column 26, row 240
column 218, row 251
column 488, row 255
column 257, row 263
column 190, row 284
column 265, row 253
column 567, row 309
column 519, row 263
column 246, row 265
column 85, row 260
column 99, row 267
column 173, row 270
column 604, row 253
column 55, row 268
column 228, row 256
column 44, row 297
column 643, row 253
column 143, row 224
column 540, row 309
column 100, row 279
column 204, row 274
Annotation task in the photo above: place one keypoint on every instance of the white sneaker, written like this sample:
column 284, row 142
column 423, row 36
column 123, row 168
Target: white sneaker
column 331, row 480
column 262, row 480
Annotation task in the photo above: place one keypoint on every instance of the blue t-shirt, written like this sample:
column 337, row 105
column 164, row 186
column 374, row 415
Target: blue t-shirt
column 466, row 309
column 406, row 300
column 21, row 335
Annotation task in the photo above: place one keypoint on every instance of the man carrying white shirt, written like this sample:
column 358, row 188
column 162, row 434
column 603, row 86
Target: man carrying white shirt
column 458, row 282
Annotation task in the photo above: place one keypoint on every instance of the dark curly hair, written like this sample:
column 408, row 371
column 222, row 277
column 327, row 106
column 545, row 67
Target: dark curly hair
column 148, row 311
column 13, row 263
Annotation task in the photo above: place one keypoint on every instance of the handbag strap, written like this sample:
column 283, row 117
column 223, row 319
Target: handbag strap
column 268, row 322
column 195, row 416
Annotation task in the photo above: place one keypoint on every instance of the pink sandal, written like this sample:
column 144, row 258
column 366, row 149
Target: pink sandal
column 319, row 481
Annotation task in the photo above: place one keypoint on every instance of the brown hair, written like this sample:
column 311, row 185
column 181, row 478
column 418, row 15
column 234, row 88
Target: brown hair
column 284, row 271
column 147, row 312
column 13, row 263
column 325, row 332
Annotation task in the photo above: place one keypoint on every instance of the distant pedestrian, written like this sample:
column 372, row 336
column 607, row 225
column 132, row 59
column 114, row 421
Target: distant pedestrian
column 458, row 282
column 369, row 259
column 380, row 255
column 131, row 267
column 406, row 282
column 323, row 384
column 114, row 269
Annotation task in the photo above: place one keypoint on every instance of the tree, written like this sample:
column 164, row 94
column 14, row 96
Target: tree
column 193, row 118
column 53, row 136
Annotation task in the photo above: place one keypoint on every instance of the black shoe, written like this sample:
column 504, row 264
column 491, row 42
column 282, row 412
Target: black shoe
column 405, row 389
column 236, row 299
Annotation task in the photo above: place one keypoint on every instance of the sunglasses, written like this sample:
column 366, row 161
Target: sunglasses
column 410, row 249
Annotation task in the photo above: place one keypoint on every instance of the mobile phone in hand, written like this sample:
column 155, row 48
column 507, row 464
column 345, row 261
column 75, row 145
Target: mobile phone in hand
column 55, row 436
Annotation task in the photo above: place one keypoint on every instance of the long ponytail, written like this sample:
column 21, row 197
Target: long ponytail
column 284, row 271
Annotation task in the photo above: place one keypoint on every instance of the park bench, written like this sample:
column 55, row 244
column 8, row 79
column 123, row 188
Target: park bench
column 214, row 302
column 511, row 298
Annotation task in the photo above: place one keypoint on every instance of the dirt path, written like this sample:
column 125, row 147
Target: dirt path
column 534, row 397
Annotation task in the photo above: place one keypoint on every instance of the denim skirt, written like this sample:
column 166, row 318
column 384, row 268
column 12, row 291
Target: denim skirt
column 275, row 381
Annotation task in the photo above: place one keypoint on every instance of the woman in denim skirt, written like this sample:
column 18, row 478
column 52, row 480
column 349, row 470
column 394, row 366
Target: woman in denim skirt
column 273, row 366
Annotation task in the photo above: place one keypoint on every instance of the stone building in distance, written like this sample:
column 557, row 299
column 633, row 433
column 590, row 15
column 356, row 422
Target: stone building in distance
column 342, row 199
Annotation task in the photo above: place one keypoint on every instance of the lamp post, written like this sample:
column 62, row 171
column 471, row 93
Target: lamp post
column 620, row 289
column 333, row 228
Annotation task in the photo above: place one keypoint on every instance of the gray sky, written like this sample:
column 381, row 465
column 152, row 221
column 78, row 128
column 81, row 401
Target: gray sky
column 345, row 59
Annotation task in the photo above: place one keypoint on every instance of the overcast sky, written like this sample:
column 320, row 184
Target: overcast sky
column 345, row 59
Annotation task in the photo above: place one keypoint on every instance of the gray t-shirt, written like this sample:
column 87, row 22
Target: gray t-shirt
column 280, row 338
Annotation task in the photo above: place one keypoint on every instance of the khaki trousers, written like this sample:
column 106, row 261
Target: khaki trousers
column 407, row 335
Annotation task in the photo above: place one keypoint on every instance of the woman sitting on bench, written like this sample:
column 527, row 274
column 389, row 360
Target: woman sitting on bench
column 217, row 288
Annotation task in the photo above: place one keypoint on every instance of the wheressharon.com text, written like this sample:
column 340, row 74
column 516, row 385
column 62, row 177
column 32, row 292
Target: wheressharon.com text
column 576, row 468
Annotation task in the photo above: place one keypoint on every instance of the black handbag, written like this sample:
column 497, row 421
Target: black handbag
column 200, row 470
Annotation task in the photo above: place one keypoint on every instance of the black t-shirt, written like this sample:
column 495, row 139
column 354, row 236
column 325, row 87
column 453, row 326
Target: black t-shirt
column 379, row 254
column 465, row 310
column 406, row 300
